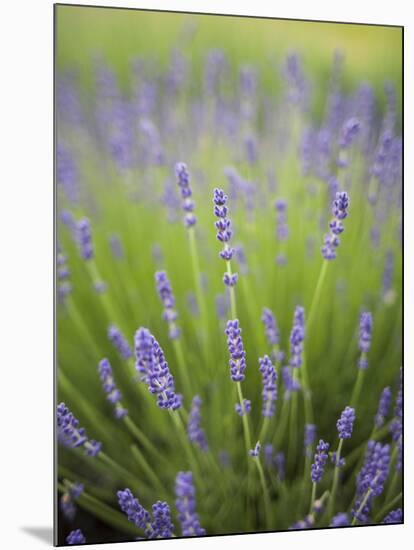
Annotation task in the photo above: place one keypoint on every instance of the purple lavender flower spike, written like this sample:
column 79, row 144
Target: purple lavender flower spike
column 269, row 381
column 67, row 499
column 75, row 537
column 183, row 180
column 320, row 458
column 71, row 435
column 280, row 465
column 396, row 424
column 67, row 173
column 340, row 520
column 134, row 510
column 162, row 526
column 237, row 360
column 291, row 384
column 113, row 394
column 297, row 337
column 270, row 325
column 256, row 451
column 168, row 301
column 116, row 247
column 224, row 232
column 195, row 431
column 268, row 454
column 345, row 423
column 246, row 408
column 64, row 287
column 84, row 238
column 241, row 259
column 350, row 130
column 395, row 516
column 365, row 337
column 282, row 230
column 119, row 342
column 384, row 406
column 371, row 479
column 186, row 505
column 309, row 436
column 340, row 211
column 154, row 370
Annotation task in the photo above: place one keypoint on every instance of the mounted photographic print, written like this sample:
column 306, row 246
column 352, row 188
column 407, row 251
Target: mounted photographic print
column 228, row 275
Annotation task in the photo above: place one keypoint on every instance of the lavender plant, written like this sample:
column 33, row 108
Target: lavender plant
column 210, row 416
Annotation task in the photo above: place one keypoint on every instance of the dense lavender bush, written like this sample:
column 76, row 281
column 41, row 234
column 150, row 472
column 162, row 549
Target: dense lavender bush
column 215, row 413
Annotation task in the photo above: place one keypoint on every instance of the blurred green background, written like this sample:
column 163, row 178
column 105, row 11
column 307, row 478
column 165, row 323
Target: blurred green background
column 372, row 53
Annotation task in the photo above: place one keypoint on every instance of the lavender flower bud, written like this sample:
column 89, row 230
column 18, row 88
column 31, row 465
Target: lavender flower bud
column 116, row 247
column 271, row 330
column 384, row 406
column 346, row 423
column 320, row 458
column 297, row 337
column 350, row 130
column 168, row 301
column 395, row 516
column 291, row 385
column 119, row 341
column 365, row 337
column 75, row 537
column 282, row 230
column 280, row 465
column 186, row 505
column 154, row 370
column 84, row 238
column 309, row 436
column 71, row 435
column 340, row 520
column 162, row 526
column 112, row 392
column 133, row 509
column 256, row 451
column 224, row 233
column 237, row 360
column 371, row 478
column 269, row 381
column 340, row 211
column 183, row 180
column 195, row 432
column 243, row 409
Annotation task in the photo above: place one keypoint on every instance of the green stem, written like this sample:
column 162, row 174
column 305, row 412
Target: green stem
column 313, row 497
column 136, row 432
column 335, row 479
column 357, row 388
column 182, row 366
column 246, row 429
column 147, row 469
column 265, row 493
column 316, row 295
column 232, row 293
column 387, row 507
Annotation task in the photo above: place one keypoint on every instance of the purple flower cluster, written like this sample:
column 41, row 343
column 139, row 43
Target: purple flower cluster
column 365, row 337
column 371, row 479
column 84, row 238
column 67, row 499
column 270, row 325
column 345, row 423
column 195, row 432
column 134, row 510
column 297, row 337
column 119, row 342
column 340, row 520
column 224, row 232
column 396, row 424
column 161, row 526
column 309, row 436
column 269, row 381
column 186, row 505
column 340, row 212
column 384, row 406
column 237, row 360
column 154, row 370
column 395, row 516
column 168, row 301
column 256, row 451
column 290, row 383
column 62, row 274
column 75, row 537
column 112, row 392
column 183, row 180
column 244, row 408
column 282, row 230
column 320, row 458
column 71, row 435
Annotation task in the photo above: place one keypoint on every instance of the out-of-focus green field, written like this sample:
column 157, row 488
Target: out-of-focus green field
column 372, row 53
